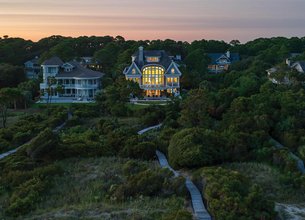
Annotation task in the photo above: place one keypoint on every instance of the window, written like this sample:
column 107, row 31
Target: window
column 173, row 70
column 153, row 75
column 52, row 70
column 133, row 71
column 152, row 59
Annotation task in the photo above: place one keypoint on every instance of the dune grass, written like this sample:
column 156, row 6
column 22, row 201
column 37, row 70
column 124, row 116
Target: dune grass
column 83, row 193
column 270, row 179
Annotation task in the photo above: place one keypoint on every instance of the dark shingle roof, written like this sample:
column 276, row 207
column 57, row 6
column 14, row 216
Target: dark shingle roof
column 215, row 56
column 164, row 61
column 34, row 61
column 301, row 63
column 79, row 72
column 53, row 61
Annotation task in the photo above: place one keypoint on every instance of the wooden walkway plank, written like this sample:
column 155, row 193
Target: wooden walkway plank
column 199, row 210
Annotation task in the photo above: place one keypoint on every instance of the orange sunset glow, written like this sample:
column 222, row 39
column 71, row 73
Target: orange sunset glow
column 159, row 19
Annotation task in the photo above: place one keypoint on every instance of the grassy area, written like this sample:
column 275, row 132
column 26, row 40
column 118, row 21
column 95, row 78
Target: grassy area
column 153, row 102
column 134, row 107
column 83, row 193
column 269, row 179
column 14, row 115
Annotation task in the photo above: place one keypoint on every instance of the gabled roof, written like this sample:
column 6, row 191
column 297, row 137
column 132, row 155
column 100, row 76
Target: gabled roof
column 53, row 61
column 79, row 72
column 177, row 71
column 34, row 61
column 128, row 70
column 301, row 63
column 216, row 56
column 164, row 60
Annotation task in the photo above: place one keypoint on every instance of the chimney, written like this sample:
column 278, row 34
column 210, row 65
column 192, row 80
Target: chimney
column 288, row 62
column 228, row 54
column 141, row 55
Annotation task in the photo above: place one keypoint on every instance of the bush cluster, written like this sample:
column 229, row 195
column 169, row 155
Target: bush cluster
column 231, row 196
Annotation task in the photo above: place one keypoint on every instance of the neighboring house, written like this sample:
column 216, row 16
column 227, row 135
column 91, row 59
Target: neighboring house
column 91, row 63
column 32, row 68
column 76, row 80
column 220, row 62
column 298, row 66
column 156, row 72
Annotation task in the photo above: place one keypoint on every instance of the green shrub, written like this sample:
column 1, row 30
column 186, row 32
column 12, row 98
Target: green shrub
column 138, row 150
column 231, row 196
column 148, row 183
column 283, row 159
column 16, row 177
column 178, row 215
column 21, row 137
column 132, row 167
column 24, row 199
column 193, row 147
column 43, row 145
column 301, row 151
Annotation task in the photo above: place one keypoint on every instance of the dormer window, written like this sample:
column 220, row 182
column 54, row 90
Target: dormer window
column 152, row 59
column 67, row 67
column 173, row 70
column 133, row 71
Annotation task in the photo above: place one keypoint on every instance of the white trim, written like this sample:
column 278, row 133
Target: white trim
column 136, row 66
column 175, row 66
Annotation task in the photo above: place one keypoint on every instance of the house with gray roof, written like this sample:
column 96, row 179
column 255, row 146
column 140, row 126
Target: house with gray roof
column 76, row 81
column 289, row 67
column 32, row 68
column 156, row 72
column 221, row 62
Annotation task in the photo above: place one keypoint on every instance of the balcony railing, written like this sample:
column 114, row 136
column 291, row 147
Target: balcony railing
column 80, row 85
column 173, row 85
column 146, row 86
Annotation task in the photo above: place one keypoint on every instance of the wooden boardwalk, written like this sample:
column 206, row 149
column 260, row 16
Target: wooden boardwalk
column 199, row 210
column 299, row 162
column 55, row 130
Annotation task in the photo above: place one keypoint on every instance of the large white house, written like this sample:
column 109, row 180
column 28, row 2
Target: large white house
column 76, row 81
column 155, row 71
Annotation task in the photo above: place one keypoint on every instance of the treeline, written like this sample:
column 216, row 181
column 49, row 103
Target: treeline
column 114, row 53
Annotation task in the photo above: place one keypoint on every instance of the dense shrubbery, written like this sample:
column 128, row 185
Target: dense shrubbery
column 29, row 126
column 194, row 147
column 43, row 146
column 231, row 196
column 27, row 186
column 147, row 182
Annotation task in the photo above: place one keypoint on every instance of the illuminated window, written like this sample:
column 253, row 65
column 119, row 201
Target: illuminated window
column 173, row 71
column 133, row 71
column 153, row 75
column 152, row 59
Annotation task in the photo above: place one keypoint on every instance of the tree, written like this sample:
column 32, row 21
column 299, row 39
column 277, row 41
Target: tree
column 15, row 94
column 195, row 147
column 10, row 76
column 195, row 109
column 7, row 97
column 5, row 100
column 234, row 42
